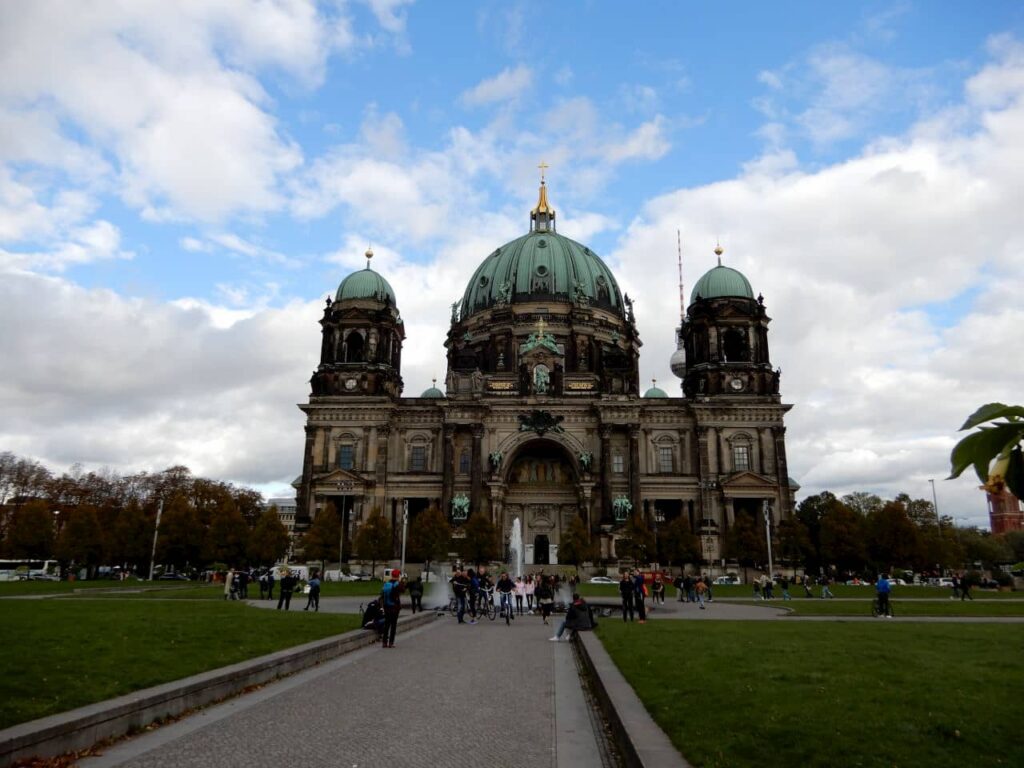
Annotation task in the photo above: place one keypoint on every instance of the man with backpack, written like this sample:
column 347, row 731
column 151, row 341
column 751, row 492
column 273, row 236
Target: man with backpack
column 391, row 603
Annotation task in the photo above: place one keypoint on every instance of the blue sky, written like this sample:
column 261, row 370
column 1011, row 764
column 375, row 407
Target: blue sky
column 181, row 184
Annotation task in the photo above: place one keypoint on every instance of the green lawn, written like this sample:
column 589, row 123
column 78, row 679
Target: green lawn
column 62, row 654
column 12, row 588
column 871, row 695
column 901, row 607
column 746, row 592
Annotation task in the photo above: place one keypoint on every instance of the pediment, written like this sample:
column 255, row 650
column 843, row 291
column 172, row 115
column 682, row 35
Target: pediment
column 748, row 479
column 339, row 478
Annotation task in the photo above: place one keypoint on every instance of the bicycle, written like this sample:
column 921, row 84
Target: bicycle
column 506, row 607
column 876, row 608
column 485, row 603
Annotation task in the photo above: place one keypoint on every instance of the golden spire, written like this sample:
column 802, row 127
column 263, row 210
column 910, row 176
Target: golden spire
column 369, row 255
column 719, row 250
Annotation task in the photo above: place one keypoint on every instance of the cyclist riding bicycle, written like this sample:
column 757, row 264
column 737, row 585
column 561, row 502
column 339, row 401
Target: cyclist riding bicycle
column 505, row 588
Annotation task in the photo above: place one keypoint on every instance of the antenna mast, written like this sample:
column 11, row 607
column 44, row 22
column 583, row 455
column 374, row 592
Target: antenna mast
column 682, row 298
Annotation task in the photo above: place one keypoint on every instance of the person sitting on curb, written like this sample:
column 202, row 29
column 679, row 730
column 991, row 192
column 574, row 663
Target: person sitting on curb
column 579, row 617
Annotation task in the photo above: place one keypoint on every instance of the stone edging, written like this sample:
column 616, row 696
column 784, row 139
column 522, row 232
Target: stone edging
column 80, row 728
column 641, row 742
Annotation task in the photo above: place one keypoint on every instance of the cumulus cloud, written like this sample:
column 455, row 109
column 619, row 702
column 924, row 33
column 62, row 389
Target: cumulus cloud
column 507, row 85
column 857, row 262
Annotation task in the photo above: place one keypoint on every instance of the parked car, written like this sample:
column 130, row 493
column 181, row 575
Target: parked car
column 727, row 580
column 603, row 580
column 172, row 577
column 356, row 576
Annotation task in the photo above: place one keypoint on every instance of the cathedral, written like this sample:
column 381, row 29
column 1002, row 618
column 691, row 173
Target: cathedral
column 541, row 417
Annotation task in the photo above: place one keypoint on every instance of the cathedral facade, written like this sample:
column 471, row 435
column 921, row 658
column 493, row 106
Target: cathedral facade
column 541, row 417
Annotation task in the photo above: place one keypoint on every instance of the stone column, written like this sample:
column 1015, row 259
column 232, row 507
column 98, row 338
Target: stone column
column 448, row 469
column 782, row 472
column 476, row 498
column 634, row 466
column 704, row 434
column 304, row 509
column 606, row 473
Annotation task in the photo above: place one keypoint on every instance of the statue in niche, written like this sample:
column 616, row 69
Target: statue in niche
column 541, row 379
column 586, row 458
column 495, row 458
column 504, row 293
column 460, row 507
column 455, row 312
column 579, row 294
column 477, row 380
column 501, row 361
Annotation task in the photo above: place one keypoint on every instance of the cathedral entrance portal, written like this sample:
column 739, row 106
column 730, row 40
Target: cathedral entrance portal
column 541, row 490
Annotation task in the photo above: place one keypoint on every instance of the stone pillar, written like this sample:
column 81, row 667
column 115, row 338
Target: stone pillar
column 704, row 434
column 634, row 467
column 782, row 472
column 476, row 499
column 381, row 464
column 606, row 473
column 448, row 469
column 304, row 508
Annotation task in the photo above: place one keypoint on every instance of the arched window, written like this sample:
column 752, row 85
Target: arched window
column 734, row 346
column 354, row 347
column 742, row 450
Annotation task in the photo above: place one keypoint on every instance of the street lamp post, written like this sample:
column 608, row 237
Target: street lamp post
column 405, row 530
column 156, row 532
column 935, row 503
column 768, row 537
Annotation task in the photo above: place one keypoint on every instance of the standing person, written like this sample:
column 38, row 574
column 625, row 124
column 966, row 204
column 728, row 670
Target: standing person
column 460, row 588
column 391, row 602
column 784, row 583
column 314, row 593
column 243, row 584
column 688, row 584
column 416, row 594
column 520, row 594
column 263, row 586
column 757, row 588
column 270, row 583
column 626, row 593
column 545, row 599
column 659, row 590
column 531, row 585
column 678, row 584
column 956, row 587
column 229, row 582
column 288, row 583
column 965, row 588
column 700, row 589
column 639, row 597
column 474, row 593
column 708, row 594
column 825, row 591
column 768, row 587
column 883, row 588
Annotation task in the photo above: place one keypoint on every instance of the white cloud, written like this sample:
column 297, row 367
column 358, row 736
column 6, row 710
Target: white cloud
column 507, row 85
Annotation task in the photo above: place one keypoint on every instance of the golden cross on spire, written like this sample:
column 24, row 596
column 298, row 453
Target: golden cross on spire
column 543, row 167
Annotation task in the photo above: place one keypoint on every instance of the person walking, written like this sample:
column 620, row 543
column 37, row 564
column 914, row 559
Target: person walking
column 807, row 587
column 965, row 588
column 416, row 594
column 313, row 601
column 784, row 583
column 658, row 591
column 229, row 582
column 626, row 593
column 678, row 582
column 826, row 593
column 460, row 588
column 545, row 599
column 531, row 586
column 639, row 597
column 288, row 582
column 520, row 594
column 391, row 602
column 700, row 588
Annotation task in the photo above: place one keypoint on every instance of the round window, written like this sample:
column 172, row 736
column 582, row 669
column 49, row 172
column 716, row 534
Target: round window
column 542, row 270
column 542, row 243
column 484, row 281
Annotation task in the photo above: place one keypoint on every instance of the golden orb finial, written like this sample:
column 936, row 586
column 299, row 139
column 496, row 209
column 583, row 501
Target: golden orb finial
column 369, row 255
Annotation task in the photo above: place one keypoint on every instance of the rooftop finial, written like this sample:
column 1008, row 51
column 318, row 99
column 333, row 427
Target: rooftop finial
column 542, row 217
column 369, row 255
column 682, row 298
column 433, row 382
column 719, row 250
column 654, row 383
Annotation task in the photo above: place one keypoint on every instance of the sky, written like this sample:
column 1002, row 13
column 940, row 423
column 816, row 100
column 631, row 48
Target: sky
column 182, row 184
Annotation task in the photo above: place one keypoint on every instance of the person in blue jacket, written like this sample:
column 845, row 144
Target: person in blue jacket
column 883, row 588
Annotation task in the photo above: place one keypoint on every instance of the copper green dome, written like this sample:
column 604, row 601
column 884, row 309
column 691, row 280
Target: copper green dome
column 365, row 284
column 542, row 266
column 719, row 282
column 655, row 392
column 433, row 393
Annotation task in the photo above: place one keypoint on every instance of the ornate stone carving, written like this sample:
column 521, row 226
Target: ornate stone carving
column 540, row 422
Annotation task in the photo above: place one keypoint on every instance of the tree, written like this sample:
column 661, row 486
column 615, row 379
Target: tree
column 862, row 503
column 576, row 546
column 132, row 537
column 80, row 540
column 892, row 538
column 480, row 543
column 21, row 477
column 842, row 537
column 180, row 539
column 323, row 539
column 810, row 511
column 794, row 541
column 268, row 541
column 373, row 540
column 636, row 542
column 982, row 547
column 228, row 534
column 677, row 543
column 745, row 541
column 30, row 531
column 995, row 451
column 430, row 537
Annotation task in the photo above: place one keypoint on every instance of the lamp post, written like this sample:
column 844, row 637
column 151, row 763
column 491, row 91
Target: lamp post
column 156, row 532
column 405, row 530
column 768, row 536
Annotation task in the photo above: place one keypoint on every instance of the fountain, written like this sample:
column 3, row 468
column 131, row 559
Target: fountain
column 515, row 548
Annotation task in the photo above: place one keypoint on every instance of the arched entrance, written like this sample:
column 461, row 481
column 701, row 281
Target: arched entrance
column 541, row 490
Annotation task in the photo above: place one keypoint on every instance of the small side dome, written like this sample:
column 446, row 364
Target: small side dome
column 365, row 284
column 433, row 393
column 655, row 391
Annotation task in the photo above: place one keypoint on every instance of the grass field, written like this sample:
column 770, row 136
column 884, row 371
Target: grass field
column 821, row 694
column 901, row 607
column 168, row 589
column 62, row 654
column 746, row 592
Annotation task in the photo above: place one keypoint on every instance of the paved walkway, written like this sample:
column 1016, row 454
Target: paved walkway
column 447, row 695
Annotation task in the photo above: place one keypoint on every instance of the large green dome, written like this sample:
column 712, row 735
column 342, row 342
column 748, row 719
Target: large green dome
column 365, row 284
column 720, row 282
column 542, row 266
